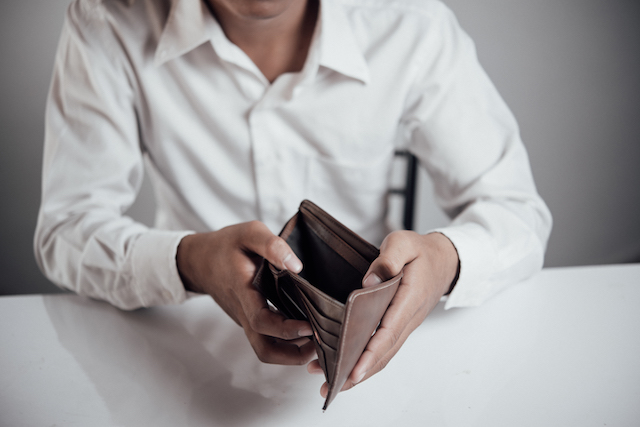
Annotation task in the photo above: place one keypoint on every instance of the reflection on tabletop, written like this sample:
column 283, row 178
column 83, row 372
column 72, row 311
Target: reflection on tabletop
column 560, row 349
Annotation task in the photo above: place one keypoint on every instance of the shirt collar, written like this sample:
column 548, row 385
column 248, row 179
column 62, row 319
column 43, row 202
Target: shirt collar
column 186, row 28
column 339, row 49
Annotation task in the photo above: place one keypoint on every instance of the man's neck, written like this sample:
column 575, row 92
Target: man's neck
column 277, row 39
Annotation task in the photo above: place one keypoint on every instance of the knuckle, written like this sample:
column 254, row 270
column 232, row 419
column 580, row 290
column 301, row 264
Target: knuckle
column 254, row 225
column 274, row 246
column 348, row 385
column 288, row 334
column 263, row 355
column 390, row 265
column 255, row 322
column 246, row 275
column 383, row 362
column 251, row 228
column 261, row 349
column 392, row 335
column 395, row 337
column 399, row 236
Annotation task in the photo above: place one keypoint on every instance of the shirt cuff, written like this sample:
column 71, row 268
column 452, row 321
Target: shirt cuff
column 477, row 256
column 156, row 280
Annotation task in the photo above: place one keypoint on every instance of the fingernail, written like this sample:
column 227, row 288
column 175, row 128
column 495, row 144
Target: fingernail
column 371, row 280
column 292, row 263
column 305, row 332
column 359, row 377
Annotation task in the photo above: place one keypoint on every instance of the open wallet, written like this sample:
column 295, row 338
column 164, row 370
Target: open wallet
column 328, row 291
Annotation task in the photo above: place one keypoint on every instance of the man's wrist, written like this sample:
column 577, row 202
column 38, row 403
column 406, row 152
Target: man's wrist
column 183, row 261
column 449, row 259
column 455, row 279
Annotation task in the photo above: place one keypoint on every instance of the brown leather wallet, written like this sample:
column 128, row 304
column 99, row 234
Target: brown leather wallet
column 328, row 291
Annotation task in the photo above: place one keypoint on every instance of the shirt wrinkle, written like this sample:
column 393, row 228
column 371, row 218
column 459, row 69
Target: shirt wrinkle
column 223, row 147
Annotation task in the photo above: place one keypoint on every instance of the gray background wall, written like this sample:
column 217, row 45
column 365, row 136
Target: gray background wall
column 570, row 70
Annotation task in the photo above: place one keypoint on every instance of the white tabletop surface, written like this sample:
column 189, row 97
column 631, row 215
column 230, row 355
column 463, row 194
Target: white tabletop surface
column 562, row 349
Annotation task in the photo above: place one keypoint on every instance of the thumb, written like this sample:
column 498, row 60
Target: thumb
column 394, row 254
column 261, row 241
column 381, row 269
column 371, row 279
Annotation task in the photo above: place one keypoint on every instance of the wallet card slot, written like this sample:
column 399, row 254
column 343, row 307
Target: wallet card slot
column 330, row 359
column 284, row 288
column 326, row 324
column 322, row 303
column 322, row 359
column 300, row 314
column 324, row 336
column 331, row 326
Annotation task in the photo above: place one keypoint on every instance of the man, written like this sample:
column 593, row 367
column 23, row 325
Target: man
column 240, row 109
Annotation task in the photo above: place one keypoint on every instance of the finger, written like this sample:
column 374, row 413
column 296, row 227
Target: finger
column 314, row 367
column 397, row 250
column 324, row 390
column 275, row 351
column 258, row 239
column 407, row 310
column 369, row 363
column 298, row 341
column 377, row 363
column 259, row 318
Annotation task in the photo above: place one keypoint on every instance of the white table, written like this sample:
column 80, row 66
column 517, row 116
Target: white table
column 562, row 349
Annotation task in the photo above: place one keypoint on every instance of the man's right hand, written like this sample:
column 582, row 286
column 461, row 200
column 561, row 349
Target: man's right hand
column 223, row 264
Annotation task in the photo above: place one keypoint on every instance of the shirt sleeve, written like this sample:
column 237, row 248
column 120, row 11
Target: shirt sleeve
column 92, row 171
column 468, row 140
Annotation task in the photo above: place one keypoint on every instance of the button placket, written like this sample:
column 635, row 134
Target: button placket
column 272, row 165
column 265, row 168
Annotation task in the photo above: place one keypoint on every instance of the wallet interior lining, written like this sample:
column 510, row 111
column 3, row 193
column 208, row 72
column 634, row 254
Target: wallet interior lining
column 323, row 266
column 337, row 243
column 364, row 248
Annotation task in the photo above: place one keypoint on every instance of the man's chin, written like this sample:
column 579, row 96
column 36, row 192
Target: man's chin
column 259, row 9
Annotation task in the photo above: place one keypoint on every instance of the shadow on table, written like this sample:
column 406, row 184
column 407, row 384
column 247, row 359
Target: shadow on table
column 149, row 369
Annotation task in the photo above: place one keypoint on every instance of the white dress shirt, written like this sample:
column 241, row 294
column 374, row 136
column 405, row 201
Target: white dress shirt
column 156, row 84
